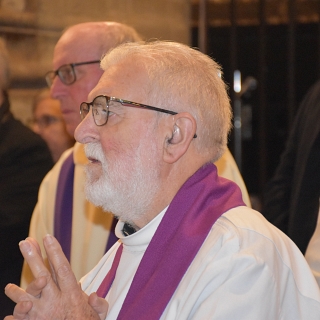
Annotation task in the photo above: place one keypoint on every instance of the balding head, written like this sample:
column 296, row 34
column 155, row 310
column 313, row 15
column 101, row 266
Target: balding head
column 78, row 44
column 94, row 39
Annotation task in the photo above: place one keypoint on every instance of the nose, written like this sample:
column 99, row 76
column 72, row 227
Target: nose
column 87, row 131
column 57, row 88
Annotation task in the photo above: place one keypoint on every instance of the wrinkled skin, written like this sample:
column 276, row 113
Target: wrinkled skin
column 52, row 295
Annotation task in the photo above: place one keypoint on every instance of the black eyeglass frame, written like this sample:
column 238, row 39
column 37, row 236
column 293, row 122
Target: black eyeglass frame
column 123, row 102
column 50, row 75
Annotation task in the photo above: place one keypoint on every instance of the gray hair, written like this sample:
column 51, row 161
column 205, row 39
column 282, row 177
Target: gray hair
column 4, row 66
column 183, row 79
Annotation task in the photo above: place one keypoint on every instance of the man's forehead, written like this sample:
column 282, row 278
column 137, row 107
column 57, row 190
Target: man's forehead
column 70, row 56
column 101, row 89
column 73, row 51
column 119, row 81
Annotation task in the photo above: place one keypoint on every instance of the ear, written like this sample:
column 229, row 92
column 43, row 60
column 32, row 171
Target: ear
column 180, row 135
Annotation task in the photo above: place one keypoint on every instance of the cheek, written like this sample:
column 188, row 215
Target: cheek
column 53, row 132
column 121, row 149
column 59, row 128
column 84, row 86
column 122, row 141
column 76, row 96
column 113, row 147
column 73, row 96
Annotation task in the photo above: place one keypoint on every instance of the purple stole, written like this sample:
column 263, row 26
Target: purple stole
column 202, row 199
column 64, row 206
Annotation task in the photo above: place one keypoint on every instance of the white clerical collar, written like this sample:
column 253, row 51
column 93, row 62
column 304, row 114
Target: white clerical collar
column 141, row 235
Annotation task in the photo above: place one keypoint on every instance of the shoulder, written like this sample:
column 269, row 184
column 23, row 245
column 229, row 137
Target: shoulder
column 249, row 239
column 250, row 227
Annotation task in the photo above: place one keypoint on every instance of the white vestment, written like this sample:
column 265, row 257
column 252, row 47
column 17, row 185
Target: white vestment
column 246, row 269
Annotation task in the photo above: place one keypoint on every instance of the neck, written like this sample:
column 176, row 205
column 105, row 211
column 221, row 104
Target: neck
column 170, row 182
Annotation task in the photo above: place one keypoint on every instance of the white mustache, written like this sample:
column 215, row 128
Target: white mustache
column 94, row 150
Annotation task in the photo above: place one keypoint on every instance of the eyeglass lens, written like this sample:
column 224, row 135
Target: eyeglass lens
column 65, row 73
column 99, row 110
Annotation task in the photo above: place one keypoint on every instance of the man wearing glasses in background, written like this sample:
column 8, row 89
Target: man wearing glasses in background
column 86, row 236
column 76, row 61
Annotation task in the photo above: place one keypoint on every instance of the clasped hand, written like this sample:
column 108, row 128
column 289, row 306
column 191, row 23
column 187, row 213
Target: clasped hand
column 52, row 295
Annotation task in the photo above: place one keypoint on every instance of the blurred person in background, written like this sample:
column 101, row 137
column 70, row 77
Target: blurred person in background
column 49, row 124
column 291, row 199
column 24, row 161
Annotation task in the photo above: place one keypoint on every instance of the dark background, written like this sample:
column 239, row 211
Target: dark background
column 268, row 110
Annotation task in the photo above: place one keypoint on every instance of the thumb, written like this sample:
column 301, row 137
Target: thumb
column 99, row 305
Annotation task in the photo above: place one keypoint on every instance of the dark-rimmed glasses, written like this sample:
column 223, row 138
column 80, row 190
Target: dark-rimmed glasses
column 101, row 104
column 66, row 73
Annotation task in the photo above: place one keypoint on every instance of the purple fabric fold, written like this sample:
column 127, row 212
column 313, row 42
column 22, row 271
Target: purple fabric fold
column 64, row 205
column 198, row 204
column 108, row 280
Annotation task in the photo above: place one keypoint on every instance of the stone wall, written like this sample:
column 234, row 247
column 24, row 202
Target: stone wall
column 32, row 27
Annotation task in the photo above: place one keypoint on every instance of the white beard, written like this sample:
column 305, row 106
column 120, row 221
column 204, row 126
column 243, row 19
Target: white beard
column 126, row 187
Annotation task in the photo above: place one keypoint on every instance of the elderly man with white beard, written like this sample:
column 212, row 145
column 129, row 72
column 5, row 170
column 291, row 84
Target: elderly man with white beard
column 85, row 232
column 188, row 246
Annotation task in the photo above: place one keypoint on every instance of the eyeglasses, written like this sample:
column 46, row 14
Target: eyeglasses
column 101, row 104
column 66, row 73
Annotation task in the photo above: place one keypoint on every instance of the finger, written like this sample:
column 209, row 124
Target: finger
column 60, row 264
column 53, row 273
column 21, row 310
column 35, row 244
column 31, row 254
column 33, row 258
column 99, row 305
column 15, row 293
column 36, row 286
